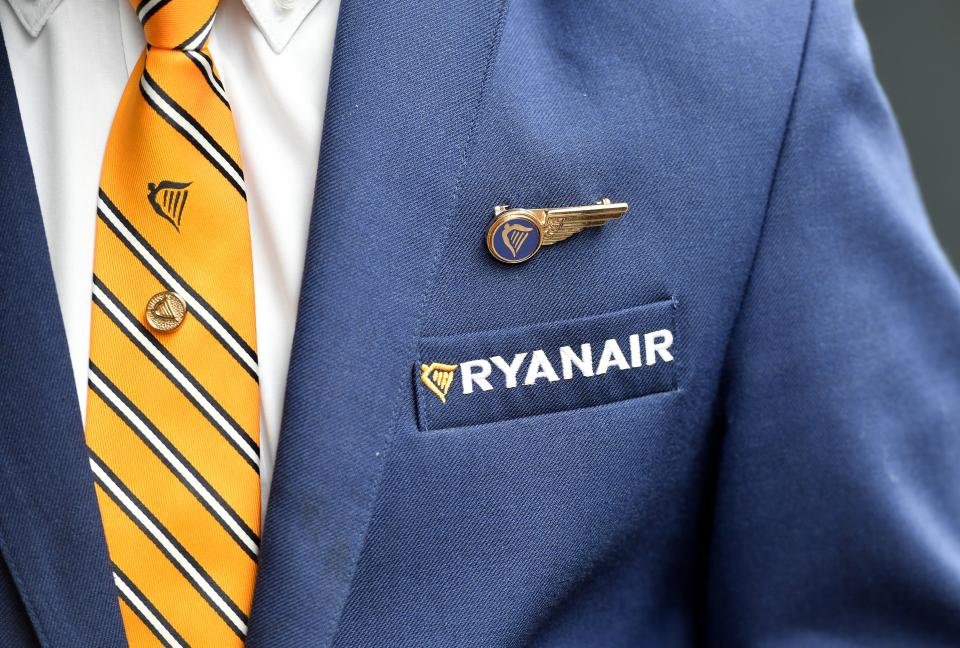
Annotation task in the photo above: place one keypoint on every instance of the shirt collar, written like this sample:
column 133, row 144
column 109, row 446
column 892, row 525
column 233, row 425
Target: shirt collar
column 33, row 14
column 277, row 20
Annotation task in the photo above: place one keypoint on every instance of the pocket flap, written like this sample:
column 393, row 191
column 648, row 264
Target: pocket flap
column 498, row 375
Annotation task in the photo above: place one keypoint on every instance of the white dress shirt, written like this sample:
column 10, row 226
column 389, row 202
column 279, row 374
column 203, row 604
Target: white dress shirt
column 70, row 61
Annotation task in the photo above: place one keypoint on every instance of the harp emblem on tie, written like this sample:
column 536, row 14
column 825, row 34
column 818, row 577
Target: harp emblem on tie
column 438, row 377
column 169, row 199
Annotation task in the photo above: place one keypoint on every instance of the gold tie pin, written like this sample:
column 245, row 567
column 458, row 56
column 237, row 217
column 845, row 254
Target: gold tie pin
column 165, row 311
column 515, row 235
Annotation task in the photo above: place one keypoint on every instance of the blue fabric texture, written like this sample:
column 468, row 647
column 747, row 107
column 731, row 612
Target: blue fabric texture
column 788, row 479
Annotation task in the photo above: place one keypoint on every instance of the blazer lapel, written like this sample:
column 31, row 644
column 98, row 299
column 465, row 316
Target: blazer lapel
column 406, row 87
column 50, row 530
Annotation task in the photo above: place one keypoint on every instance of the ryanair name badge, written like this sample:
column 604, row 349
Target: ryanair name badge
column 477, row 378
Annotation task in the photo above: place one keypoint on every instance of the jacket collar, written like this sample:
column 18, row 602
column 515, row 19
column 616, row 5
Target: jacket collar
column 51, row 536
column 277, row 20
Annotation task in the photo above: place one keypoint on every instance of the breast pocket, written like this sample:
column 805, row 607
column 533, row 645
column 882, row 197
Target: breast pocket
column 504, row 374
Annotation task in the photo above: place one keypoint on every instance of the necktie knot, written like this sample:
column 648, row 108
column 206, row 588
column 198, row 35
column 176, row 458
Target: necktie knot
column 176, row 24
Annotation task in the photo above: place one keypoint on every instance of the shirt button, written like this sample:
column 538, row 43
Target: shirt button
column 165, row 311
column 285, row 5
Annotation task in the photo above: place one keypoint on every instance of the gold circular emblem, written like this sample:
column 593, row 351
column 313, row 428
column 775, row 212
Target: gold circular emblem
column 514, row 236
column 165, row 311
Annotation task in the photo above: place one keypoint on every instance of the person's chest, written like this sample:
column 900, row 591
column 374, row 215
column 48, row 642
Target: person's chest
column 492, row 501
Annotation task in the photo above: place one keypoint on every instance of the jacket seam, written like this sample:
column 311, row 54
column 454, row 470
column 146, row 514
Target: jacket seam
column 747, row 284
column 552, row 322
column 774, row 178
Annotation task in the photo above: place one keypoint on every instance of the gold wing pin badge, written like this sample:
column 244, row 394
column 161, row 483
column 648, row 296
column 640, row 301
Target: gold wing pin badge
column 515, row 235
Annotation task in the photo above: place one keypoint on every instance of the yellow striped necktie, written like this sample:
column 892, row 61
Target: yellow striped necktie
column 173, row 411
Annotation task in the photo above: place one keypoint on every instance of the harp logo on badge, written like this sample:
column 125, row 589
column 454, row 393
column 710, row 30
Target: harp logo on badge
column 514, row 237
column 438, row 377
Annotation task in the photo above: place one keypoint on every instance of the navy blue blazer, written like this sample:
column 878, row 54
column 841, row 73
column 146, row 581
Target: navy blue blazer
column 789, row 477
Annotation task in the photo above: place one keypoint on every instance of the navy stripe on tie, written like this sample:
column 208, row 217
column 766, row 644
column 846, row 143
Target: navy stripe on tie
column 138, row 334
column 184, row 123
column 143, row 608
column 178, row 556
column 225, row 334
column 178, row 465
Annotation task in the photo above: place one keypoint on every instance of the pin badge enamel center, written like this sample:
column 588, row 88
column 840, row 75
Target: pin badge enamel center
column 516, row 235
